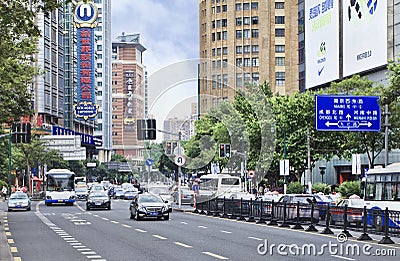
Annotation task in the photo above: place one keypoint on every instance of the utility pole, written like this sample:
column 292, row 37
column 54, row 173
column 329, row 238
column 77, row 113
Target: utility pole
column 309, row 162
column 386, row 125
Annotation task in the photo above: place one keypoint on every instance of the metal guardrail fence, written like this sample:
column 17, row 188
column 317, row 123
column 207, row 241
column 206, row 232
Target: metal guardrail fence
column 306, row 216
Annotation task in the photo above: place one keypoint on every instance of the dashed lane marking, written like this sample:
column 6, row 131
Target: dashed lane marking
column 159, row 237
column 215, row 256
column 182, row 245
column 13, row 249
column 226, row 232
column 128, row 226
column 10, row 241
column 201, row 227
column 183, row 222
column 89, row 253
column 342, row 257
column 256, row 238
column 115, row 222
column 17, row 259
column 140, row 230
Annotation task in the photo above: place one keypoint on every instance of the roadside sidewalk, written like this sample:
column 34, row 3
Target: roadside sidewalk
column 5, row 253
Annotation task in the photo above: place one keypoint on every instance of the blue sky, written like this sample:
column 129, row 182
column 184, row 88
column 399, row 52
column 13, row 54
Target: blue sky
column 169, row 31
column 168, row 28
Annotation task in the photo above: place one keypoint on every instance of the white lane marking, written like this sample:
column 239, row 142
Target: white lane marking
column 201, row 227
column 215, row 255
column 226, row 232
column 75, row 244
column 342, row 257
column 140, row 230
column 94, row 257
column 89, row 253
column 96, row 215
column 183, row 222
column 115, row 222
column 126, row 225
column 182, row 244
column 84, row 249
column 79, row 247
column 105, row 218
column 72, row 241
column 159, row 237
column 255, row 238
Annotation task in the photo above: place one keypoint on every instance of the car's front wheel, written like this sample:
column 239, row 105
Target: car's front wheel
column 87, row 207
column 166, row 217
column 137, row 216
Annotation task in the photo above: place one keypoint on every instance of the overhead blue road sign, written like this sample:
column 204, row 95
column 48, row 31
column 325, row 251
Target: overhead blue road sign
column 347, row 113
column 149, row 162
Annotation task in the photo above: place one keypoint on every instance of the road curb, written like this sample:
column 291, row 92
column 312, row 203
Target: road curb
column 5, row 252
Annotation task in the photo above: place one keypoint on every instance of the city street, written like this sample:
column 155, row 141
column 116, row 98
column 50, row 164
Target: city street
column 72, row 233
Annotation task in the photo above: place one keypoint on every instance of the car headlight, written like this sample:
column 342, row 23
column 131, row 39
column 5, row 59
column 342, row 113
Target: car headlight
column 164, row 208
column 141, row 208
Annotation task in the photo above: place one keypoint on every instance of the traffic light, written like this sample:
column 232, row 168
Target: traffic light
column 168, row 148
column 15, row 129
column 174, row 145
column 228, row 150
column 26, row 136
column 141, row 127
column 151, row 129
column 222, row 150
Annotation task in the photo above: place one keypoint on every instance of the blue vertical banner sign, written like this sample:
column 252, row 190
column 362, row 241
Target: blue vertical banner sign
column 85, row 16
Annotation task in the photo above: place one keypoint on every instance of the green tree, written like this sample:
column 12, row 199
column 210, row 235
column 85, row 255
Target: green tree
column 348, row 188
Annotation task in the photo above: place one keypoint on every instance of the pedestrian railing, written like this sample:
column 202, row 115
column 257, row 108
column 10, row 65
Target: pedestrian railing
column 306, row 215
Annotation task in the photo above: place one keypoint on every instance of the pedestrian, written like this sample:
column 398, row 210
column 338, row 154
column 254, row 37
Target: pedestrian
column 4, row 192
column 254, row 190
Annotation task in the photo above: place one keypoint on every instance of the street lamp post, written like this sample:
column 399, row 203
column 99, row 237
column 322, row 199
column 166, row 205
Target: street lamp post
column 284, row 161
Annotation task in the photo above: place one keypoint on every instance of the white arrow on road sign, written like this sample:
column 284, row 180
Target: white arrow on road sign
column 180, row 160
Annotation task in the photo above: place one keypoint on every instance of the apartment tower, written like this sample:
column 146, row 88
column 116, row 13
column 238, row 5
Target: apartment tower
column 246, row 41
column 128, row 96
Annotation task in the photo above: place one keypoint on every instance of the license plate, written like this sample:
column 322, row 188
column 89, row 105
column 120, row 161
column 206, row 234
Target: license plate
column 18, row 206
column 98, row 203
column 60, row 201
column 153, row 213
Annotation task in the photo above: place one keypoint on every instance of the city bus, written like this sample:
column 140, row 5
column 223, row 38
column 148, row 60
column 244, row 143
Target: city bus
column 382, row 190
column 60, row 187
column 214, row 185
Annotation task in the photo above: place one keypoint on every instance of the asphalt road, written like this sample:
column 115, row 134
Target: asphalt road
column 72, row 233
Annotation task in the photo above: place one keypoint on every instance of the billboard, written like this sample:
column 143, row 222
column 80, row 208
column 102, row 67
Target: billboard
column 321, row 41
column 364, row 35
column 85, row 16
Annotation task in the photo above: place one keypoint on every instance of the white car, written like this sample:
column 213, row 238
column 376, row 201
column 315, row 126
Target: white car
column 164, row 193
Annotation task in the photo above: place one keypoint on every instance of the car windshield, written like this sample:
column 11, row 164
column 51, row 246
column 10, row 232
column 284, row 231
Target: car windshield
column 149, row 198
column 301, row 199
column 98, row 194
column 81, row 189
column 18, row 196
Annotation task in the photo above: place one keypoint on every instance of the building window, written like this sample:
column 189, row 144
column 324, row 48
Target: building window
column 225, row 63
column 213, row 37
column 280, row 78
column 218, row 51
column 219, row 64
column 246, row 20
column 254, row 33
column 224, row 35
column 224, row 8
column 254, row 49
column 225, row 80
column 254, row 62
column 279, row 32
column 239, row 21
column 238, row 34
column 279, row 20
column 213, row 24
column 238, row 49
column 214, row 83
column 255, row 77
column 219, row 81
column 239, row 62
column 225, row 50
column 254, row 5
column 213, row 51
column 246, row 33
column 246, row 6
column 238, row 7
column 246, row 62
column 218, row 36
column 246, row 49
column 224, row 22
column 239, row 80
column 279, row 48
column 247, row 77
column 218, row 23
column 218, row 9
column 254, row 20
column 279, row 5
column 280, row 61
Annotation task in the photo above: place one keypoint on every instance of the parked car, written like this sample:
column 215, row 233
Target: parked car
column 81, row 192
column 355, row 208
column 147, row 205
column 98, row 199
column 187, row 196
column 19, row 200
column 305, row 201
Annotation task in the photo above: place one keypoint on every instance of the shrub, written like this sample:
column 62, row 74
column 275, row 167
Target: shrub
column 348, row 188
column 321, row 187
column 294, row 188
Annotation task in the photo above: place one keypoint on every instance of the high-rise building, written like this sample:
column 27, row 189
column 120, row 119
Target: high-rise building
column 128, row 95
column 246, row 41
column 103, row 79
